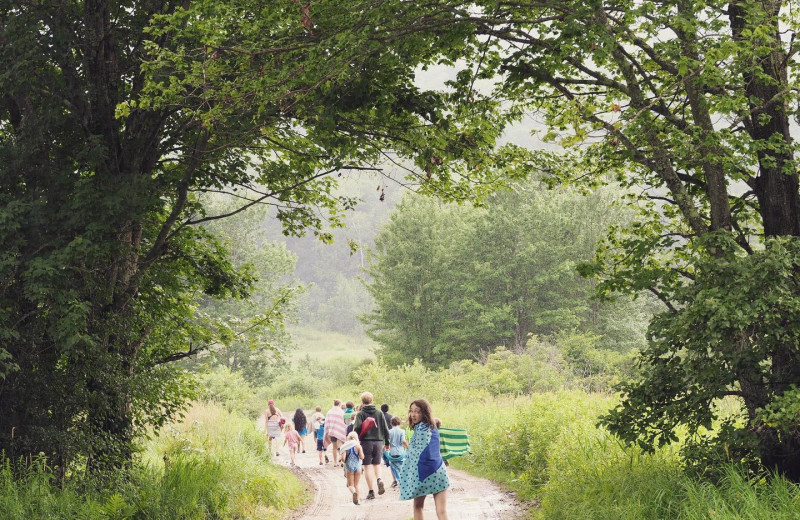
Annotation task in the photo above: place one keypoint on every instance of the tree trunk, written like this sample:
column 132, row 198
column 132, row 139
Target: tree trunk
column 776, row 188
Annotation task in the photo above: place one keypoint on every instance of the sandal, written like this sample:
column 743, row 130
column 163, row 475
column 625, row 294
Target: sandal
column 355, row 497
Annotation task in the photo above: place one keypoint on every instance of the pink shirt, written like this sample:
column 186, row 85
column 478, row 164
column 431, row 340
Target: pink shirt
column 293, row 438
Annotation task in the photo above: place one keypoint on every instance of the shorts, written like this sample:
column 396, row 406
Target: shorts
column 320, row 445
column 334, row 439
column 373, row 452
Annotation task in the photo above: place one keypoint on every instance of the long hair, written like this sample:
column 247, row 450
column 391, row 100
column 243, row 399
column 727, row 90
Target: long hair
column 272, row 411
column 426, row 411
column 299, row 420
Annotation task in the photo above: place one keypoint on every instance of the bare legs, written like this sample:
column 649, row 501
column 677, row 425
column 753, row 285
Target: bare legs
column 273, row 442
column 439, row 500
column 335, row 445
column 352, row 484
column 369, row 474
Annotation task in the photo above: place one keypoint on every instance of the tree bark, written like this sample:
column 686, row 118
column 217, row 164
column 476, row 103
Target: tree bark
column 776, row 188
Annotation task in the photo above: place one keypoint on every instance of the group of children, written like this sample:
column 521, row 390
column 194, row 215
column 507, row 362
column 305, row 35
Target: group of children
column 353, row 455
column 417, row 470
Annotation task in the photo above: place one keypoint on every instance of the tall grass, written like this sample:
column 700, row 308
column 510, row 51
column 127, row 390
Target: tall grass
column 224, row 453
column 212, row 465
column 548, row 448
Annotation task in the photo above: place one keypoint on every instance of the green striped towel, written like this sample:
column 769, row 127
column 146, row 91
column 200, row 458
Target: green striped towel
column 453, row 442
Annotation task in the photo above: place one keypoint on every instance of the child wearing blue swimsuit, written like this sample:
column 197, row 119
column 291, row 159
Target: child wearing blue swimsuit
column 352, row 464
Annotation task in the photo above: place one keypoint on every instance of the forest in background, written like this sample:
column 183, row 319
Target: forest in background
column 439, row 283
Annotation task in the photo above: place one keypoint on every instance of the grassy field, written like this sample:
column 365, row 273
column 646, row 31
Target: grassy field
column 546, row 446
column 323, row 346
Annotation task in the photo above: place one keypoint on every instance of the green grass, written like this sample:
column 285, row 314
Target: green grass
column 233, row 460
column 323, row 345
column 548, row 449
column 212, row 465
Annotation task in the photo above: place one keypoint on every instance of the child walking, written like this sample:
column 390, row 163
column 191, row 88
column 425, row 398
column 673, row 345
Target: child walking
column 301, row 425
column 397, row 448
column 319, row 435
column 353, row 455
column 423, row 473
column 293, row 439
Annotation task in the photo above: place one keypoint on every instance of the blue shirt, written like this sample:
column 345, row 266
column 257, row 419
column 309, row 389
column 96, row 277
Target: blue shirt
column 396, row 437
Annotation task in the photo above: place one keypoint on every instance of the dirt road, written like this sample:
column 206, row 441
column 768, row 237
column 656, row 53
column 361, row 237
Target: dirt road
column 469, row 498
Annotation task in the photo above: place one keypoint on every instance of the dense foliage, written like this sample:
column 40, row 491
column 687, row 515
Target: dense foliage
column 115, row 117
column 689, row 104
column 456, row 282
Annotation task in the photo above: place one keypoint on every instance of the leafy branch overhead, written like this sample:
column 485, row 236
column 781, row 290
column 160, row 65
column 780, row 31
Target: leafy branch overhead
column 688, row 105
column 117, row 117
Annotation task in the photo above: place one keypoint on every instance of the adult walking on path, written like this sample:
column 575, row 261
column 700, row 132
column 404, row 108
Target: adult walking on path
column 470, row 498
column 335, row 430
column 273, row 427
column 370, row 424
column 387, row 415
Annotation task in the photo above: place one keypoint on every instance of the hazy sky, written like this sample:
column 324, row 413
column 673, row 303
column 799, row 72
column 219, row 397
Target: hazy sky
column 521, row 134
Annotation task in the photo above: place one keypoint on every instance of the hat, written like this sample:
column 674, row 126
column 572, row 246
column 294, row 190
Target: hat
column 270, row 402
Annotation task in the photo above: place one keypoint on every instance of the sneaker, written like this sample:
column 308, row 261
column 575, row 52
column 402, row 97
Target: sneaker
column 371, row 495
column 394, row 484
column 355, row 497
column 326, row 459
column 381, row 489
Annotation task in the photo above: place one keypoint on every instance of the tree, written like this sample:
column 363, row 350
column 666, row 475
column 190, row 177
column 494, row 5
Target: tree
column 689, row 103
column 522, row 256
column 411, row 282
column 115, row 117
column 456, row 282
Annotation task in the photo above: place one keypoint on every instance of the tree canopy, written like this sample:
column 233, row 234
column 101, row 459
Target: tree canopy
column 115, row 117
column 689, row 104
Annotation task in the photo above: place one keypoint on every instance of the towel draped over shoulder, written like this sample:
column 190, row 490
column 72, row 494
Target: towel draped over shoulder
column 334, row 425
column 423, row 472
